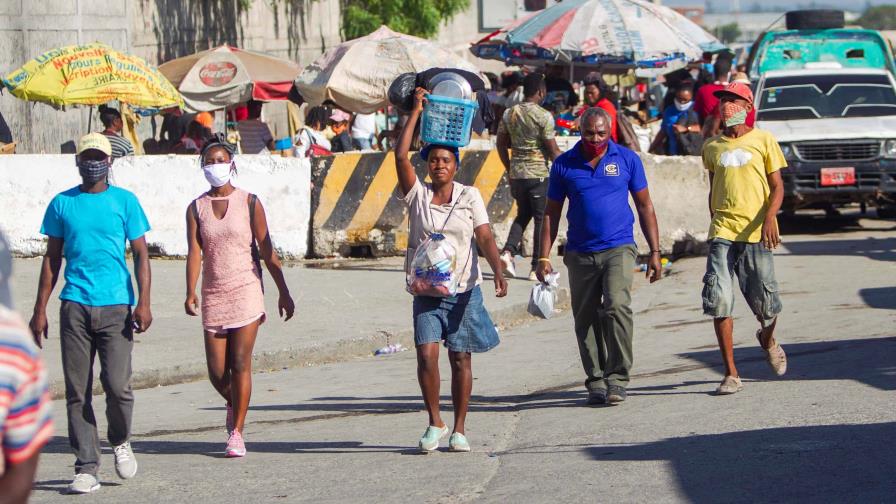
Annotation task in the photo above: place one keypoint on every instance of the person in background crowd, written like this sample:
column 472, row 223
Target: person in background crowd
column 26, row 420
column 174, row 127
column 705, row 101
column 223, row 227
column 255, row 136
column 194, row 139
column 694, row 75
column 679, row 127
column 597, row 94
column 339, row 123
column 564, row 118
column 89, row 225
column 528, row 130
column 597, row 176
column 364, row 131
column 713, row 125
column 746, row 192
column 512, row 83
column 311, row 136
column 494, row 100
column 555, row 82
column 111, row 119
column 460, row 321
column 206, row 119
column 5, row 133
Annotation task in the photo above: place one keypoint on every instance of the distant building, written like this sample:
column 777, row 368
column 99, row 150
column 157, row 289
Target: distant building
column 752, row 24
column 694, row 13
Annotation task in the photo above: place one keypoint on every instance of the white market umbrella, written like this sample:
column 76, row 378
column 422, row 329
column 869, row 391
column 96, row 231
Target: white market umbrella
column 226, row 75
column 357, row 74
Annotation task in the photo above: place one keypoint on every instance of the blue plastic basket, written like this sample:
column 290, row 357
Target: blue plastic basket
column 447, row 121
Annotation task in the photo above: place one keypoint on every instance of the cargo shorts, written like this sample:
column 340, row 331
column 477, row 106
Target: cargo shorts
column 754, row 267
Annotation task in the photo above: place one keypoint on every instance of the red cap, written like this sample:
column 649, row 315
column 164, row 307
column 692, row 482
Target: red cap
column 738, row 89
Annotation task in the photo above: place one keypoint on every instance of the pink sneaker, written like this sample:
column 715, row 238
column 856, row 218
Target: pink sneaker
column 235, row 445
column 229, row 422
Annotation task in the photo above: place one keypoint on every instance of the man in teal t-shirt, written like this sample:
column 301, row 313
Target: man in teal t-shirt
column 90, row 226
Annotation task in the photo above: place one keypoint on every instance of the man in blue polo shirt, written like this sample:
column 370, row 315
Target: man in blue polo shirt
column 597, row 176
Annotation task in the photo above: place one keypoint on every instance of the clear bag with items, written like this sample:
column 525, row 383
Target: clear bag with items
column 543, row 296
column 433, row 269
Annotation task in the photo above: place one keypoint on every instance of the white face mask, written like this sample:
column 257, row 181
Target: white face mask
column 682, row 106
column 218, row 174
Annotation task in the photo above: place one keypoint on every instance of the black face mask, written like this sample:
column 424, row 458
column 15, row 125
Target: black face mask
column 93, row 171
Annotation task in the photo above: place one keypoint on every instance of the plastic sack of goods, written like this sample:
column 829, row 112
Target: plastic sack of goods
column 543, row 297
column 433, row 268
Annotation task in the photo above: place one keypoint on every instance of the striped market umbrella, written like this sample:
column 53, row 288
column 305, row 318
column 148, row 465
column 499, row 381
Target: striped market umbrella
column 620, row 33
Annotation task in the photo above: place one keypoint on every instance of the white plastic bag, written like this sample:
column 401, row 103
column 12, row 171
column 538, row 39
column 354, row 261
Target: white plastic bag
column 433, row 270
column 544, row 296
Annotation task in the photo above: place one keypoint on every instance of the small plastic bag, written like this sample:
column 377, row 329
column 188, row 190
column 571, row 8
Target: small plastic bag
column 543, row 297
column 432, row 271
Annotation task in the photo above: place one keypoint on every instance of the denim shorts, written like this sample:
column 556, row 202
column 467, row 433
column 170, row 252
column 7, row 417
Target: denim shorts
column 460, row 321
column 754, row 268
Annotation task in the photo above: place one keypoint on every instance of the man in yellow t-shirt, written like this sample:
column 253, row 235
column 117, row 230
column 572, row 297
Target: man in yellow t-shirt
column 746, row 193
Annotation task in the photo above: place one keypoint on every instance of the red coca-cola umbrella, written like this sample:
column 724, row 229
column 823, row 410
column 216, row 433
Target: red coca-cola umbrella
column 226, row 75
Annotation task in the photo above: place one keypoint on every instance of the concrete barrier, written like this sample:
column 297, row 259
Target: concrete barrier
column 355, row 201
column 165, row 186
column 355, row 205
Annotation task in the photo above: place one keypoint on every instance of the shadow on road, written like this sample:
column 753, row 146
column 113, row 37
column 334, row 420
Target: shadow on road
column 871, row 361
column 879, row 249
column 880, row 297
column 411, row 404
column 818, row 223
column 59, row 444
column 831, row 463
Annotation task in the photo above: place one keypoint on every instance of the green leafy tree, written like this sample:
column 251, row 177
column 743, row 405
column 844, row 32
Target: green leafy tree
column 728, row 33
column 414, row 17
column 881, row 17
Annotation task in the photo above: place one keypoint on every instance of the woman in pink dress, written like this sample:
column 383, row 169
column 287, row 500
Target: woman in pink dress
column 223, row 227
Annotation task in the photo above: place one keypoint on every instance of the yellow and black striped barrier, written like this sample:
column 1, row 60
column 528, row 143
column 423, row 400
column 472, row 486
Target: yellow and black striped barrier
column 356, row 208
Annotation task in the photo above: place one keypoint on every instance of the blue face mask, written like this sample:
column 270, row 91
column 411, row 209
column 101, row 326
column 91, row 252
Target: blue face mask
column 93, row 171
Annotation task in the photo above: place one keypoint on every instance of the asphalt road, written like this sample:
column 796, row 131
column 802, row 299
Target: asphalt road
column 346, row 432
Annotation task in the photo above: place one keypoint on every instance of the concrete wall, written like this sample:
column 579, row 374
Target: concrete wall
column 29, row 28
column 165, row 186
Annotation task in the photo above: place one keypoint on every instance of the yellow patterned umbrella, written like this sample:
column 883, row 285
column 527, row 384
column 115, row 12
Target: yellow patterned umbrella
column 92, row 74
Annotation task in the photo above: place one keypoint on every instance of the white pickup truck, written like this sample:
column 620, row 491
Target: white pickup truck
column 837, row 128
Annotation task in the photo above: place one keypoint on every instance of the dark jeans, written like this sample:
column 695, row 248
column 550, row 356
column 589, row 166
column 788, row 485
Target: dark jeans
column 600, row 286
column 86, row 331
column 531, row 198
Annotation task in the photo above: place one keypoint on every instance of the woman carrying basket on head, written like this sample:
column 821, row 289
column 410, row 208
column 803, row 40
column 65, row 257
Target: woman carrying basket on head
column 227, row 231
column 447, row 222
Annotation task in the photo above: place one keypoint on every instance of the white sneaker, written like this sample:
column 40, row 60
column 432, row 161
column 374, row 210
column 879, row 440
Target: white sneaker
column 507, row 263
column 125, row 463
column 532, row 276
column 84, row 484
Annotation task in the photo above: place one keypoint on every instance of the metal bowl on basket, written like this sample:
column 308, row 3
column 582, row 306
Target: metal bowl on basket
column 451, row 85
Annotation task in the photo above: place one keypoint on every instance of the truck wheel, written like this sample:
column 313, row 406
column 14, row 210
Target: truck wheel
column 815, row 19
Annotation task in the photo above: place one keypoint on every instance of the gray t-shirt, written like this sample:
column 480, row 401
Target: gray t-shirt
column 426, row 218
